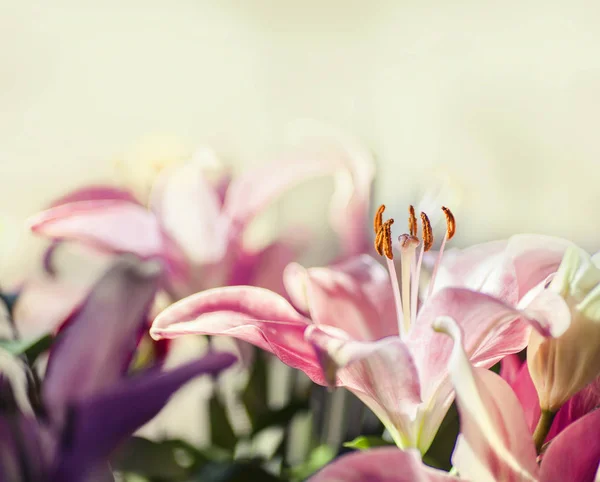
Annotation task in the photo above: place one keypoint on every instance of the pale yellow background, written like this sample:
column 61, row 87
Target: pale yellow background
column 502, row 95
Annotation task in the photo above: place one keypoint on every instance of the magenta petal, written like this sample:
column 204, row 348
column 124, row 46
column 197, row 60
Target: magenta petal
column 98, row 424
column 381, row 465
column 251, row 314
column 575, row 453
column 95, row 346
column 110, row 225
column 355, row 296
column 381, row 373
column 269, row 265
column 510, row 368
column 95, row 193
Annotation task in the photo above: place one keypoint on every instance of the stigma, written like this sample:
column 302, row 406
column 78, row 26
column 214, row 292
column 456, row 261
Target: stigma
column 411, row 249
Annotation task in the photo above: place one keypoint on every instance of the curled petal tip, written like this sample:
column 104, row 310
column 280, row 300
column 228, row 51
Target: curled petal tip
column 446, row 325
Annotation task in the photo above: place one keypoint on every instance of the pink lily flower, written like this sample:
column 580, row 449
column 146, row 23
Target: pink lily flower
column 196, row 225
column 495, row 444
column 354, row 327
column 516, row 373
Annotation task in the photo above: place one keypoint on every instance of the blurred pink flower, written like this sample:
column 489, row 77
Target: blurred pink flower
column 354, row 328
column 196, row 224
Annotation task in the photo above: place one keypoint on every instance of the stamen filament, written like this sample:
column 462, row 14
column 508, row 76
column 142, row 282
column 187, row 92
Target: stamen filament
column 415, row 286
column 397, row 299
column 408, row 246
column 436, row 266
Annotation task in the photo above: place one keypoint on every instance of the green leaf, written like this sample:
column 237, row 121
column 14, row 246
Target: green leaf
column 319, row 457
column 366, row 442
column 222, row 434
column 171, row 460
column 29, row 348
column 254, row 395
column 238, row 471
column 440, row 452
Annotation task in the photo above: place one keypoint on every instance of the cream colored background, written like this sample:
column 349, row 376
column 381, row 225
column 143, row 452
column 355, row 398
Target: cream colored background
column 502, row 95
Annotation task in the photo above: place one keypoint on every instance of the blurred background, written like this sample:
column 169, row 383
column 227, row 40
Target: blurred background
column 498, row 99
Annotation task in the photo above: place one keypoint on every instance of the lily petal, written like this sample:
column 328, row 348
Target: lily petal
column 381, row 373
column 108, row 224
column 492, row 330
column 94, row 347
column 492, row 422
column 22, row 455
column 251, row 314
column 381, row 465
column 349, row 211
column 100, row 423
column 189, row 209
column 483, row 267
column 95, row 193
column 478, row 315
column 520, row 381
column 505, row 269
column 355, row 295
column 575, row 453
column 352, row 168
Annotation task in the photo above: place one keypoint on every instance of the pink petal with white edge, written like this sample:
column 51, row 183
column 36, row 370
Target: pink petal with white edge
column 251, row 314
column 381, row 373
column 575, row 453
column 355, row 295
column 381, row 465
column 492, row 422
column 110, row 225
column 189, row 210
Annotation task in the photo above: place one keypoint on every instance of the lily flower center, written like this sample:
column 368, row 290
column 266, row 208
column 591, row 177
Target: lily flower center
column 411, row 249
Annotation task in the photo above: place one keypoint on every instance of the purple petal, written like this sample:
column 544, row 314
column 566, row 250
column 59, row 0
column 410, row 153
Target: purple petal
column 251, row 314
column 96, row 344
column 381, row 465
column 98, row 424
column 22, row 454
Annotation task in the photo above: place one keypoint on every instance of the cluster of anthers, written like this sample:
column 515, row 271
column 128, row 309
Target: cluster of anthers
column 406, row 302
